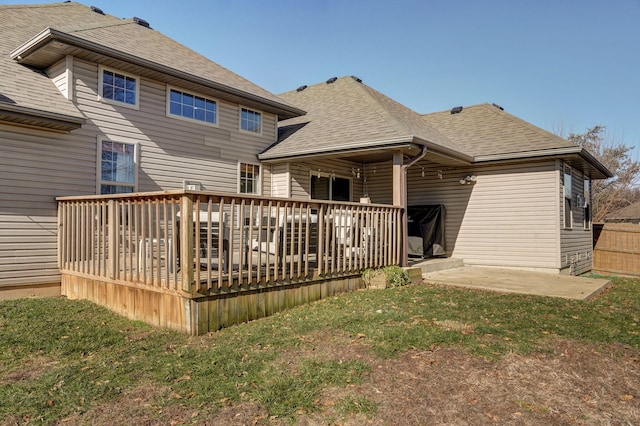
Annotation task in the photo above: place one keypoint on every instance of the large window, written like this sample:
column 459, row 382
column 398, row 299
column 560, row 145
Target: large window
column 119, row 87
column 249, row 178
column 330, row 188
column 117, row 167
column 250, row 121
column 193, row 107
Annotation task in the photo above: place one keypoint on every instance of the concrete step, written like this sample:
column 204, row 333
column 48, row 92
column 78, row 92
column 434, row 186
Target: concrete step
column 438, row 264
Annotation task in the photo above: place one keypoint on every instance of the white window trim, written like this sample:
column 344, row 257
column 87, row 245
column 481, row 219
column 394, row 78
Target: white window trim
column 187, row 119
column 261, row 173
column 249, row 132
column 136, row 162
column 135, row 106
column 330, row 175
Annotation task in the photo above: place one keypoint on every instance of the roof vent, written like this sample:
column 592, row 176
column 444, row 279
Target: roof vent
column 301, row 88
column 498, row 106
column 332, row 80
column 456, row 110
column 97, row 10
column 141, row 22
column 356, row 79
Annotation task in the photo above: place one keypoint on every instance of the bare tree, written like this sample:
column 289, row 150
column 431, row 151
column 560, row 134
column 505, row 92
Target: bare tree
column 622, row 189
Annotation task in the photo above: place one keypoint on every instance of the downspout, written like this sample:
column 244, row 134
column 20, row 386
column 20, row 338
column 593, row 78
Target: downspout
column 404, row 257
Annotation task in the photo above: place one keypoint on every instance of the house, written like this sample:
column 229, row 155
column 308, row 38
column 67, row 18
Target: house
column 628, row 214
column 142, row 176
column 94, row 104
column 514, row 195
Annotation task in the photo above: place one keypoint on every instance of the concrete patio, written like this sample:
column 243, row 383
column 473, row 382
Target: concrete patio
column 518, row 281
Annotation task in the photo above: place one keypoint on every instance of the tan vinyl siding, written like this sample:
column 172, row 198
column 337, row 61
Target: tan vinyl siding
column 507, row 218
column 280, row 181
column 35, row 167
column 172, row 149
column 301, row 175
column 59, row 75
column 576, row 243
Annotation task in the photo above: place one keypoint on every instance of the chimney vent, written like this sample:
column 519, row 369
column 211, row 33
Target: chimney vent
column 332, row 80
column 456, row 110
column 97, row 10
column 301, row 88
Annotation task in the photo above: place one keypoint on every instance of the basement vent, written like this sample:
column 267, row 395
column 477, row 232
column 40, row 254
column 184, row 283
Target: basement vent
column 498, row 106
column 456, row 110
column 97, row 10
column 356, row 79
column 301, row 88
column 332, row 80
column 141, row 22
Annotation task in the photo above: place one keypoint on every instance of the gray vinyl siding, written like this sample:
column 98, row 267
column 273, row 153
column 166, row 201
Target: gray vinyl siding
column 576, row 255
column 37, row 166
column 507, row 218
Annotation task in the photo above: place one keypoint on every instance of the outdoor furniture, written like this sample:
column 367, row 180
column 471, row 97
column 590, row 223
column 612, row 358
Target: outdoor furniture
column 207, row 230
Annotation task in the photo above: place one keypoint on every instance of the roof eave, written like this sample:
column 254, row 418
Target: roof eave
column 22, row 53
column 367, row 145
column 39, row 118
column 603, row 172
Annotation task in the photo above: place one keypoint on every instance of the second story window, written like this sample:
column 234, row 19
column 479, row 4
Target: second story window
column 193, row 107
column 250, row 121
column 119, row 87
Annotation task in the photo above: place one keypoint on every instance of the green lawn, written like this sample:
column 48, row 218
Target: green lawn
column 60, row 359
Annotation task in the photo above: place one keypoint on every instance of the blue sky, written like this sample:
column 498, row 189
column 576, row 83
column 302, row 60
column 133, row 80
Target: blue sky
column 559, row 64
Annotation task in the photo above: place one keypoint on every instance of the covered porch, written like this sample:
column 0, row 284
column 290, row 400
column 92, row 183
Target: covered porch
column 197, row 261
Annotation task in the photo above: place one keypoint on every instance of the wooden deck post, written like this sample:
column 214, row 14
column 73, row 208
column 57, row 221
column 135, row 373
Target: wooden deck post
column 186, row 242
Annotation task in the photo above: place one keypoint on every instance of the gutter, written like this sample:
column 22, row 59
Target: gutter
column 553, row 152
column 51, row 34
column 72, row 122
column 364, row 146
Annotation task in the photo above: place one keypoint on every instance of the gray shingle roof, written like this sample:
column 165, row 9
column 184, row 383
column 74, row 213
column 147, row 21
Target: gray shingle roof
column 348, row 113
column 22, row 86
column 484, row 129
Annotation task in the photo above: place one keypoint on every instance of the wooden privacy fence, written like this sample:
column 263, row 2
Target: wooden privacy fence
column 197, row 244
column 617, row 249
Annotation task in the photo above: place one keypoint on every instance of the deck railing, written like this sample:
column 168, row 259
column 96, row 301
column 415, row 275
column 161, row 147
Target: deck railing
column 203, row 242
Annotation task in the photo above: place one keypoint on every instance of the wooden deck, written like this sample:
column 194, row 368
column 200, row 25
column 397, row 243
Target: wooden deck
column 235, row 259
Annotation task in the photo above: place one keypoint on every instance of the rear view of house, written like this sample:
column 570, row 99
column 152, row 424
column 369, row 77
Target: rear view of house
column 145, row 177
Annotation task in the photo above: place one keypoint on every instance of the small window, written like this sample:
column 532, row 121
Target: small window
column 587, row 203
column 193, row 107
column 119, row 87
column 330, row 188
column 566, row 181
column 568, row 214
column 117, row 167
column 249, row 178
column 250, row 121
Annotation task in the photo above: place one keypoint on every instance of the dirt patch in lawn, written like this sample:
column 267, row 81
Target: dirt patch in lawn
column 578, row 384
